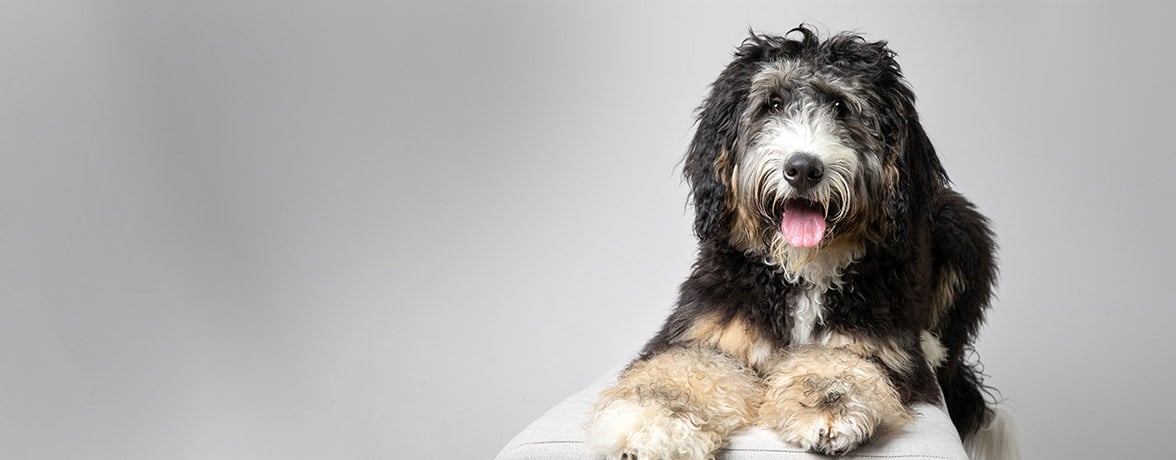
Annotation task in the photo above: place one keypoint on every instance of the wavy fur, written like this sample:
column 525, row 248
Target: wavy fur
column 906, row 264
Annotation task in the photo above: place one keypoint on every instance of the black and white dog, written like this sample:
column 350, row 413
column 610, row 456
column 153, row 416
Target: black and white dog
column 839, row 278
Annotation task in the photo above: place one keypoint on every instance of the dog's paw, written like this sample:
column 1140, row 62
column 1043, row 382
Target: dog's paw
column 832, row 416
column 830, row 400
column 627, row 430
column 825, row 433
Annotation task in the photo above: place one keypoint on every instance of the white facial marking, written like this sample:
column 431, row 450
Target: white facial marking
column 810, row 130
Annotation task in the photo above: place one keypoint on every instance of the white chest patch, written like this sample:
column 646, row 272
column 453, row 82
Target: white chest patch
column 807, row 313
column 813, row 280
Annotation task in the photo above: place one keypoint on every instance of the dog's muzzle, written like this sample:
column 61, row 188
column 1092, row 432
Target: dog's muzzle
column 803, row 221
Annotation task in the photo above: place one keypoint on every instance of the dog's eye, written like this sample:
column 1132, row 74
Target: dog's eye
column 775, row 104
column 840, row 108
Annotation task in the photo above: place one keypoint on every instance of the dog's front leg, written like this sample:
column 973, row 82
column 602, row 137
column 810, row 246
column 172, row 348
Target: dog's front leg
column 829, row 400
column 682, row 403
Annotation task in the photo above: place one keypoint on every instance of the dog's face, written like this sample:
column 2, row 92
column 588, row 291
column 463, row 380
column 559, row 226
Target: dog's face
column 806, row 145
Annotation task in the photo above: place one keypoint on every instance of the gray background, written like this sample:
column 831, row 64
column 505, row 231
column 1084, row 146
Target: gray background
column 272, row 229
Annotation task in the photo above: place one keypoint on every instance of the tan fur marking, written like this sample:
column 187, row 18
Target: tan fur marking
column 735, row 337
column 746, row 228
column 933, row 350
column 890, row 353
column 950, row 283
column 829, row 399
column 890, row 185
column 722, row 168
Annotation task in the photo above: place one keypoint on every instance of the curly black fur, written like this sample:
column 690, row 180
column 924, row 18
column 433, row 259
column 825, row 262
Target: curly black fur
column 918, row 231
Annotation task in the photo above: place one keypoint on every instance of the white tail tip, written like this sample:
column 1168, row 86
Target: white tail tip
column 996, row 440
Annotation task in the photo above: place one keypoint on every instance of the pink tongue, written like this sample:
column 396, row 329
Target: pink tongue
column 803, row 226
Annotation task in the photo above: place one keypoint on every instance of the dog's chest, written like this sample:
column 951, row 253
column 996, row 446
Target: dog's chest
column 807, row 312
column 812, row 287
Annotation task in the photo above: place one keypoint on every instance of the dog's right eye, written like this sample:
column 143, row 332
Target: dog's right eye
column 775, row 104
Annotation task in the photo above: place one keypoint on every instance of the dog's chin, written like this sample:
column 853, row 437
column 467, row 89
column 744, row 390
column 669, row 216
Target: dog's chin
column 803, row 222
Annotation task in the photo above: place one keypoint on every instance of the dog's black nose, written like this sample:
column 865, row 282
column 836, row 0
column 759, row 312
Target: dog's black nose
column 803, row 171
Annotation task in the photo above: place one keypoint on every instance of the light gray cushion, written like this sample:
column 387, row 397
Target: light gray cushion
column 559, row 434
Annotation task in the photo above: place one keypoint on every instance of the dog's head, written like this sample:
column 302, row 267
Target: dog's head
column 805, row 144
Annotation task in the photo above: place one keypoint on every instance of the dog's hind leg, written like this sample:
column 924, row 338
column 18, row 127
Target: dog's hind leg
column 681, row 403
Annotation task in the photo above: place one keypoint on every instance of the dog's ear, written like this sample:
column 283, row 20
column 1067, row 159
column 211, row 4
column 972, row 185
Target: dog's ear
column 708, row 164
column 920, row 173
column 916, row 156
column 921, row 164
column 712, row 154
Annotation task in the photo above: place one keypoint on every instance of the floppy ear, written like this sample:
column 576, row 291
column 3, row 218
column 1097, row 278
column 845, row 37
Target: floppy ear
column 921, row 164
column 708, row 161
column 920, row 174
column 711, row 156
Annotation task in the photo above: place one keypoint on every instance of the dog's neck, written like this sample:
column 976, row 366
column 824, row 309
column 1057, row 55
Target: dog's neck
column 821, row 267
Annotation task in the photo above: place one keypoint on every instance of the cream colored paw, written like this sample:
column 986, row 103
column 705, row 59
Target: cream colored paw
column 627, row 430
column 827, row 434
column 830, row 400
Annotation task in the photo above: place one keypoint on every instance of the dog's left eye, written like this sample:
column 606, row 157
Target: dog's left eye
column 840, row 108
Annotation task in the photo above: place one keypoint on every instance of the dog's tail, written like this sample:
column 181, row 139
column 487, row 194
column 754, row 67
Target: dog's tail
column 988, row 431
column 996, row 439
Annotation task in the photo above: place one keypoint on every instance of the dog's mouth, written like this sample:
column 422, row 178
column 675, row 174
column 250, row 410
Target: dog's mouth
column 803, row 222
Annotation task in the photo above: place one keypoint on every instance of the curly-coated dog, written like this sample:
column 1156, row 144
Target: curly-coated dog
column 839, row 278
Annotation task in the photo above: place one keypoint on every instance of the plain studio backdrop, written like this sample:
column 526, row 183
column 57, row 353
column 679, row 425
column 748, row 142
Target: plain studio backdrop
column 358, row 230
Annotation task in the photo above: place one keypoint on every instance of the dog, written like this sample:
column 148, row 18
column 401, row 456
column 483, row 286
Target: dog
column 839, row 279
